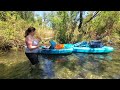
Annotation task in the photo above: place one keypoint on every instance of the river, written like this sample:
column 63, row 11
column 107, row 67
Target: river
column 15, row 65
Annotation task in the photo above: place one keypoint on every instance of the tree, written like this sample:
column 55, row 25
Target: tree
column 26, row 15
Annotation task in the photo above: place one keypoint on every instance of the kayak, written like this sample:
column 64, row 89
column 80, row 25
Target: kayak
column 104, row 49
column 92, row 47
column 66, row 50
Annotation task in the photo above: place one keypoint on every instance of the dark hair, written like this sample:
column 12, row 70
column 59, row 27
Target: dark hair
column 29, row 30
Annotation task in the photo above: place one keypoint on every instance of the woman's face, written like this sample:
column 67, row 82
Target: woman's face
column 32, row 33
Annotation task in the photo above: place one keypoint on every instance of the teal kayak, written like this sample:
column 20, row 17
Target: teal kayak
column 67, row 50
column 104, row 49
column 93, row 47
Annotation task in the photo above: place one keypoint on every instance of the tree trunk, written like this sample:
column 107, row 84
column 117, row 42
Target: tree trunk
column 81, row 19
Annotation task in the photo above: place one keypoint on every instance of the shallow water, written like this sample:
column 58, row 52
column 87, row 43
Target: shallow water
column 73, row 66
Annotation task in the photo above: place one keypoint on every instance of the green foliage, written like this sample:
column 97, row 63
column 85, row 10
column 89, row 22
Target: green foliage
column 26, row 15
column 63, row 23
column 12, row 29
column 106, row 23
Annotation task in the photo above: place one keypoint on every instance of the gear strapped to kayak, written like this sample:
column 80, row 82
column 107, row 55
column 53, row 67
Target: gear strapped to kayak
column 96, row 44
column 91, row 44
column 56, row 46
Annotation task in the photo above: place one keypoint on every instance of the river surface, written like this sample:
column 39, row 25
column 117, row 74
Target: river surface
column 15, row 65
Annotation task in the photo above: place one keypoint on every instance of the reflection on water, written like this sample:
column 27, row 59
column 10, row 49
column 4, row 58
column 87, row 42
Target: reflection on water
column 48, row 68
column 47, row 63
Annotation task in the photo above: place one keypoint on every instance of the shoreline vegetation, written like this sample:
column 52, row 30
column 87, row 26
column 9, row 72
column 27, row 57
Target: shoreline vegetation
column 62, row 26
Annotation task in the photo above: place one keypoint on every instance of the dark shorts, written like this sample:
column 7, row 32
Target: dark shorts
column 33, row 57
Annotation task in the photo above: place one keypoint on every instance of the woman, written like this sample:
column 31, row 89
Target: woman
column 32, row 46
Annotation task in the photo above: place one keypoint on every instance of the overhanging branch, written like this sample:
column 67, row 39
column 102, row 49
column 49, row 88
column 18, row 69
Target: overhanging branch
column 92, row 17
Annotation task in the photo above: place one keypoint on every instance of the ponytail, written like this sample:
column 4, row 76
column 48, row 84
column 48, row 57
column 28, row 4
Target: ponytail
column 26, row 33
